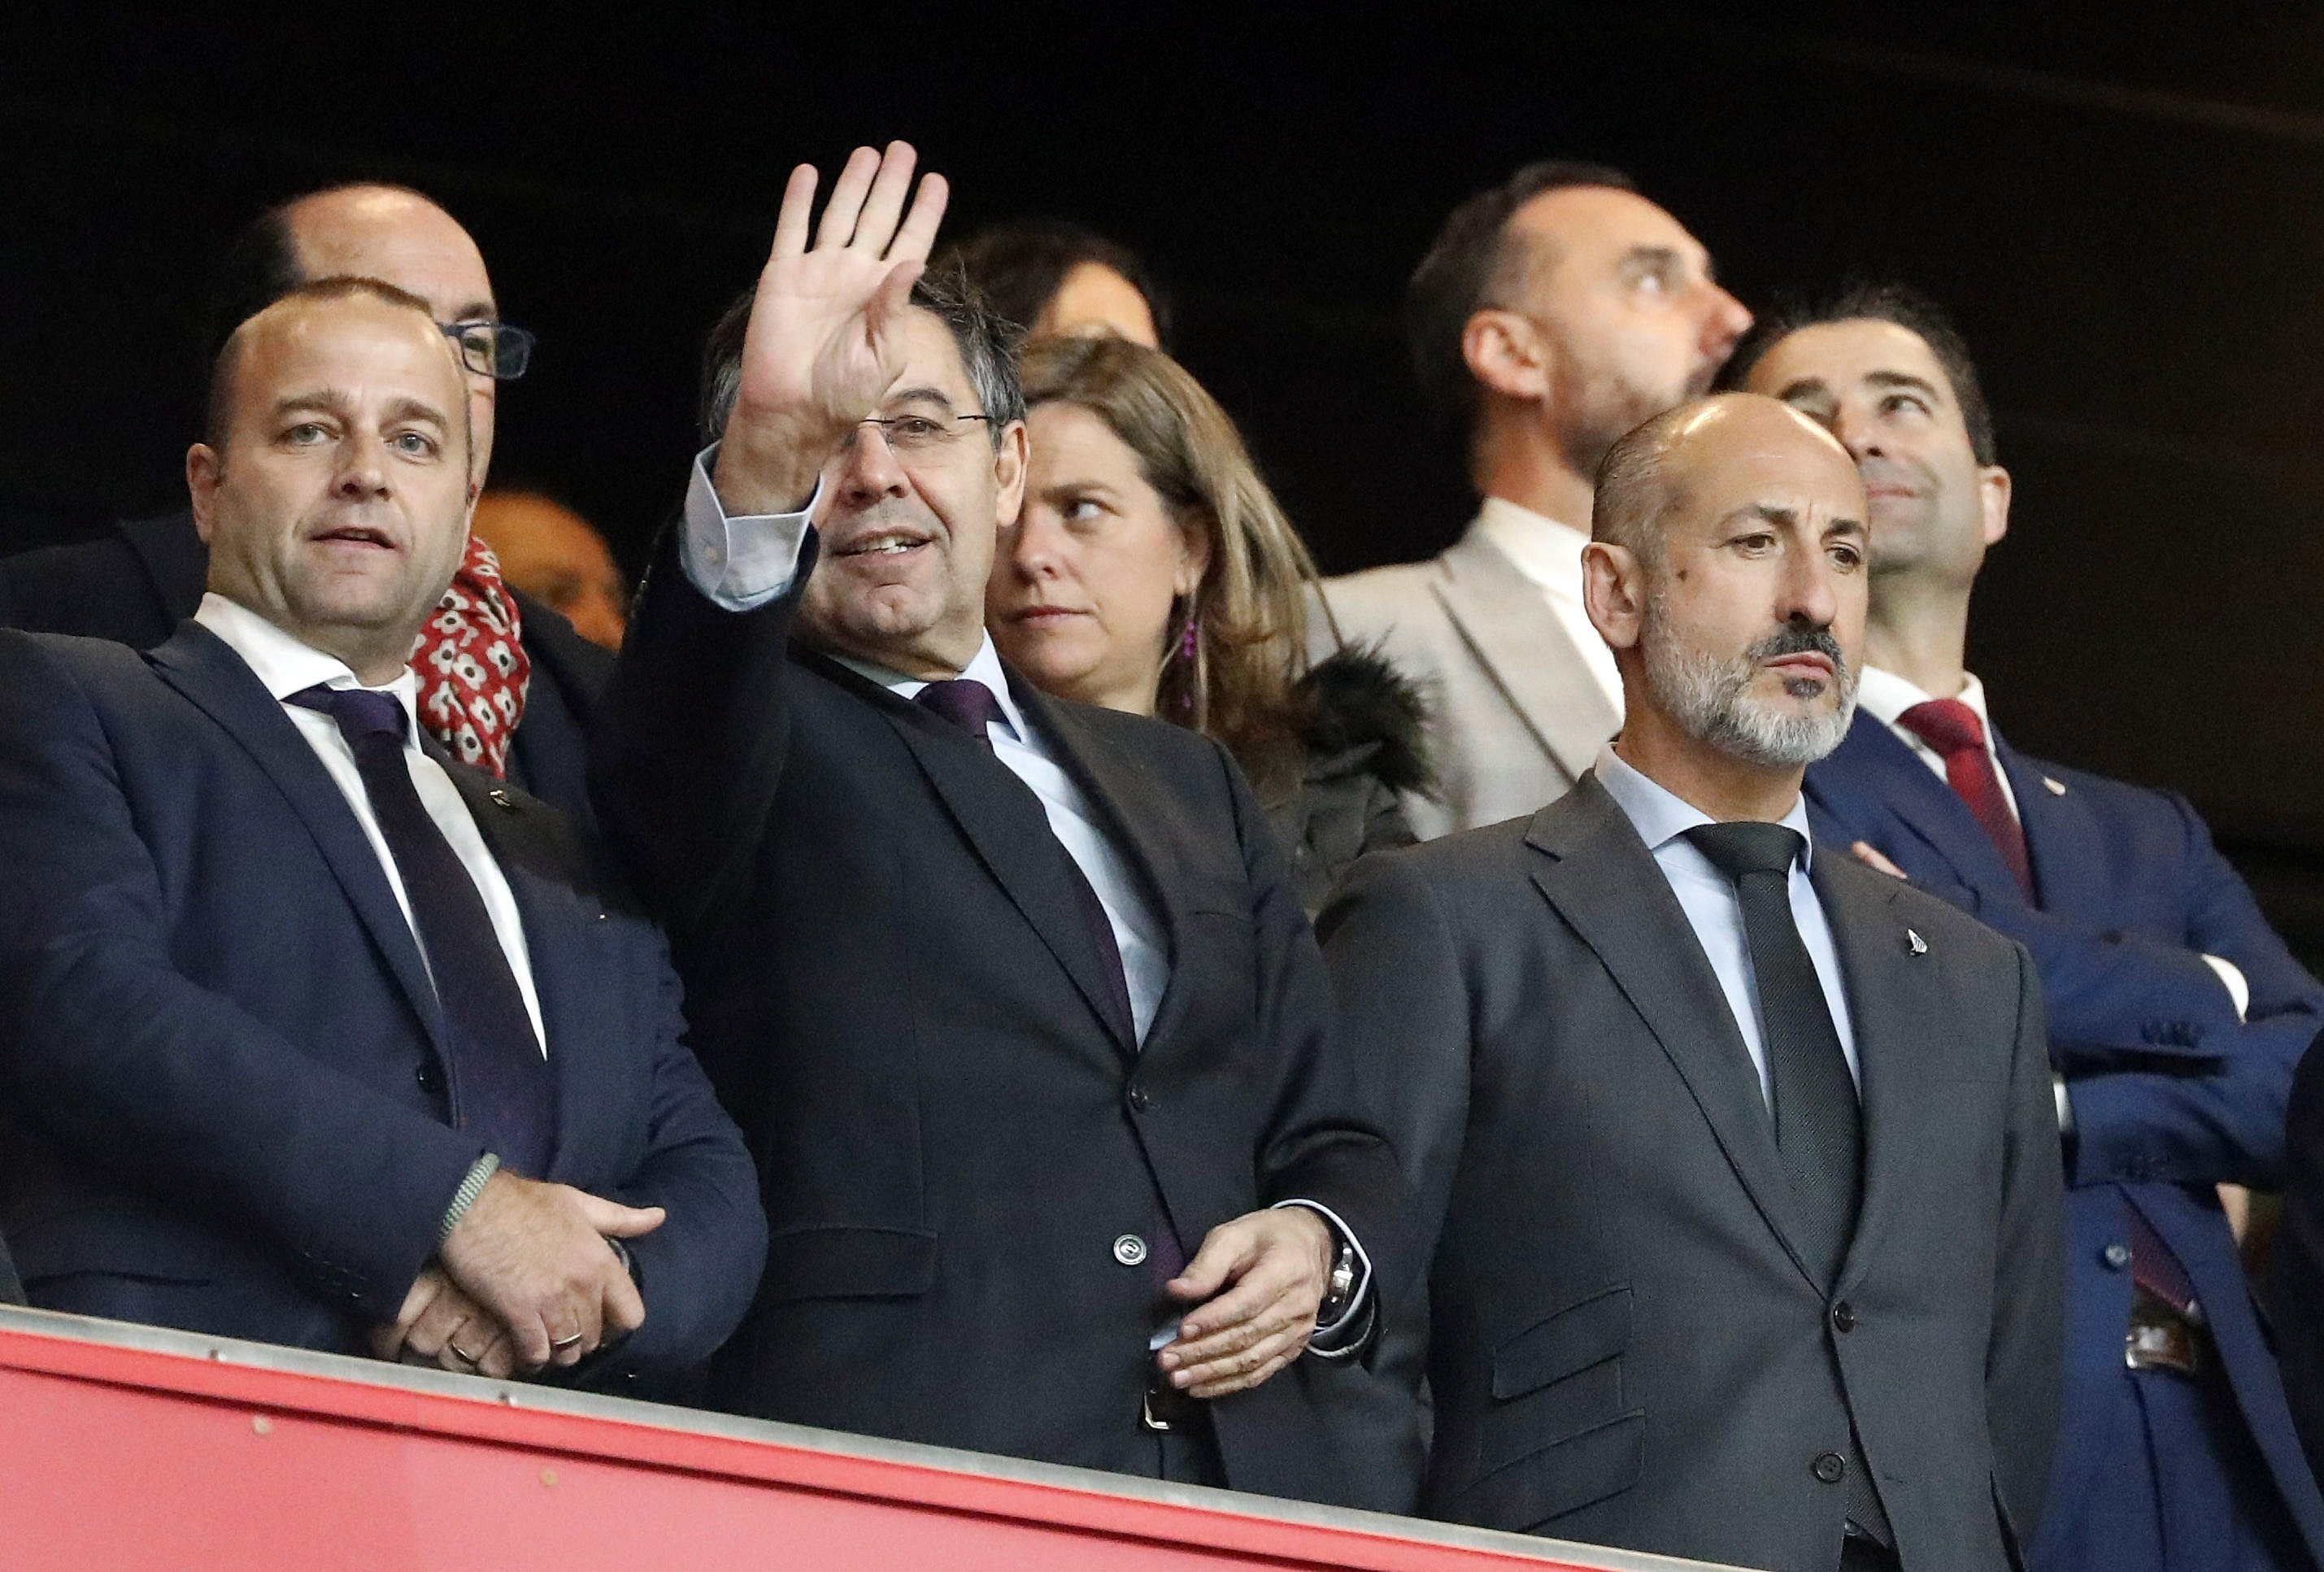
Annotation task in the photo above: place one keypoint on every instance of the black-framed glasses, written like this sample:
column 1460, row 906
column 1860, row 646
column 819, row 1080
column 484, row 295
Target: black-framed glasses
column 495, row 349
column 921, row 433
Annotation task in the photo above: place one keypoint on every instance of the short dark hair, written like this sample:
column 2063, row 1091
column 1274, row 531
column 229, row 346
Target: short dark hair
column 1880, row 300
column 1019, row 268
column 217, row 410
column 262, row 265
column 1469, row 259
column 987, row 343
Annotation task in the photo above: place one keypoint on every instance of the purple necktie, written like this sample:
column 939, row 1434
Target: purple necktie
column 504, row 1094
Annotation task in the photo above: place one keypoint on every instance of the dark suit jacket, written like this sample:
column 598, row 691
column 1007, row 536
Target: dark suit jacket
column 218, row 1035
column 2296, row 1259
column 136, row 585
column 892, row 986
column 2171, row 1095
column 1628, row 1349
column 11, row 1291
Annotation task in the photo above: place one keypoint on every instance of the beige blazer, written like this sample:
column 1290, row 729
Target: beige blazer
column 1514, row 718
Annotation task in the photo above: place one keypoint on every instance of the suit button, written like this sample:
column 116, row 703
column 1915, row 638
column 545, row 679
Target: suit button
column 1130, row 1250
column 1831, row 1467
column 2116, row 1256
column 1843, row 1317
column 1141, row 1099
column 431, row 1079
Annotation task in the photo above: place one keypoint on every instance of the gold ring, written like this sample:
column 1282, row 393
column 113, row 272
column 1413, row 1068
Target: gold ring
column 560, row 1345
column 460, row 1354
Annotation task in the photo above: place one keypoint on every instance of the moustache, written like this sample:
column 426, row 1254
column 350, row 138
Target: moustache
column 1798, row 639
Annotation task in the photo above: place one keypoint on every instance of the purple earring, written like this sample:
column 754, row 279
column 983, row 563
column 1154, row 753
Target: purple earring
column 1186, row 640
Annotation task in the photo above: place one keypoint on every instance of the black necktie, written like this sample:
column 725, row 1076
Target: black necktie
column 970, row 705
column 506, row 1097
column 1818, row 1125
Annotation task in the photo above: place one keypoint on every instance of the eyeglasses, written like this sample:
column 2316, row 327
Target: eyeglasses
column 909, row 434
column 494, row 349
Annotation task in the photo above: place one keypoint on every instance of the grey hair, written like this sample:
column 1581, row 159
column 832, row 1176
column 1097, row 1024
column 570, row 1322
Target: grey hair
column 1632, row 493
column 987, row 342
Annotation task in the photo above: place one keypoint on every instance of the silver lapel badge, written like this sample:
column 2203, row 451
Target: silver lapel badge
column 501, row 798
column 1918, row 946
column 2055, row 787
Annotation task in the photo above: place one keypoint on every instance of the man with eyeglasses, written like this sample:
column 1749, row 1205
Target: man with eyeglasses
column 1013, row 997
column 518, row 707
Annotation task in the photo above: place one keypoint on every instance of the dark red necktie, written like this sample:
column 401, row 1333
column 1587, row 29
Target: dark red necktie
column 1952, row 728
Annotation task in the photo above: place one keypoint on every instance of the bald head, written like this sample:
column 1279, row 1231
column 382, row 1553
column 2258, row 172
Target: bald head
column 1726, row 570
column 1648, row 475
column 389, row 233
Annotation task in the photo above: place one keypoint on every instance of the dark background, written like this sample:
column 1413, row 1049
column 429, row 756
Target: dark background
column 2127, row 213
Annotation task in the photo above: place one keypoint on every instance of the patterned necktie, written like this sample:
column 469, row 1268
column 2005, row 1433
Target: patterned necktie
column 506, row 1097
column 1818, row 1125
column 1954, row 730
column 474, row 673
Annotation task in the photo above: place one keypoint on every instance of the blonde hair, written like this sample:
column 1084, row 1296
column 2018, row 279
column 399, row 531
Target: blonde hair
column 1247, row 620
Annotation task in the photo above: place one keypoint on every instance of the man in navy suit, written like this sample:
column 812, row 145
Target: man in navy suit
column 2176, row 1015
column 315, row 1036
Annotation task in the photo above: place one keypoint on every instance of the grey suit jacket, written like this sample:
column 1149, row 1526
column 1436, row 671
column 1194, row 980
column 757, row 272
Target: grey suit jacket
column 1627, row 1348
column 1515, row 716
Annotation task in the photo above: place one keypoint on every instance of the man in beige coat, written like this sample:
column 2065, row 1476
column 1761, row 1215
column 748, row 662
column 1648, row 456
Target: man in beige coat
column 1555, row 313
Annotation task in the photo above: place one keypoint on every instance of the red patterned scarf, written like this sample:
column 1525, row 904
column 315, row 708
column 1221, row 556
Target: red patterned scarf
column 471, row 665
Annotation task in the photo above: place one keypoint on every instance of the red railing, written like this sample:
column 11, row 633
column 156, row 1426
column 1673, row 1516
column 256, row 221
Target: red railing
column 130, row 1448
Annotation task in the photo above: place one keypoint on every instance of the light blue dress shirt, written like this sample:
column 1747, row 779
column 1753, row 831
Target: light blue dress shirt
column 1707, row 896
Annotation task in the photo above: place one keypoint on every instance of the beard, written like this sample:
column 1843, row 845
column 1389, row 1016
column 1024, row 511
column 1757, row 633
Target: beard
column 1711, row 700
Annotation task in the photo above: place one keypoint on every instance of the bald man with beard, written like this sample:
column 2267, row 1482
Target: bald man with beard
column 1739, row 1157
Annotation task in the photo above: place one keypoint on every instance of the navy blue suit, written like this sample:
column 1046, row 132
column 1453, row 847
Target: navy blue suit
column 220, row 1042
column 2170, row 1096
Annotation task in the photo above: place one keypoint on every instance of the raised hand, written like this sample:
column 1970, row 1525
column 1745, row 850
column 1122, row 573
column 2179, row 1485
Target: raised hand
column 824, row 344
column 1279, row 1264
column 534, row 1256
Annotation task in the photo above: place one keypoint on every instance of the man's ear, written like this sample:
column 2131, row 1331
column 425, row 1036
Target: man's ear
column 1009, row 461
column 1507, row 355
column 1614, row 593
column 1993, row 492
column 204, row 469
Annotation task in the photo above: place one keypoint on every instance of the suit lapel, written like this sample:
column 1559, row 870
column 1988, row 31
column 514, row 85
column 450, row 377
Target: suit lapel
column 563, row 928
column 1521, row 645
column 1890, row 994
column 1006, row 825
column 2062, row 841
column 1119, row 790
column 1602, row 879
column 203, row 667
column 1927, row 809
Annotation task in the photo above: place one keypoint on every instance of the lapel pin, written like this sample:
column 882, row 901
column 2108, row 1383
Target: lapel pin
column 500, row 799
column 1916, row 943
column 2055, row 787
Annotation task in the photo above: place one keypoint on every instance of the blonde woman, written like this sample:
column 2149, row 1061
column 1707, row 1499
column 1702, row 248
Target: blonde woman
column 1152, row 572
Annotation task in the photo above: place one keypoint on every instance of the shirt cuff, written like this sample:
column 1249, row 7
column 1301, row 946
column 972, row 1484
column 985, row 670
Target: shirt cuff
column 742, row 564
column 2238, row 986
column 1321, row 1343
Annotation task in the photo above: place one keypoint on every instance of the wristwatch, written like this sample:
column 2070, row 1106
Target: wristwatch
column 1340, row 1288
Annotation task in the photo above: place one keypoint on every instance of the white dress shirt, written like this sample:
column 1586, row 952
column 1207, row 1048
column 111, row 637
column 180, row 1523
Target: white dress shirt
column 1889, row 696
column 1713, row 911
column 287, row 667
column 1549, row 555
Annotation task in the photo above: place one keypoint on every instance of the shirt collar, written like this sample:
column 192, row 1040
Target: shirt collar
column 1661, row 816
column 287, row 665
column 1546, row 551
column 984, row 666
column 1889, row 696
